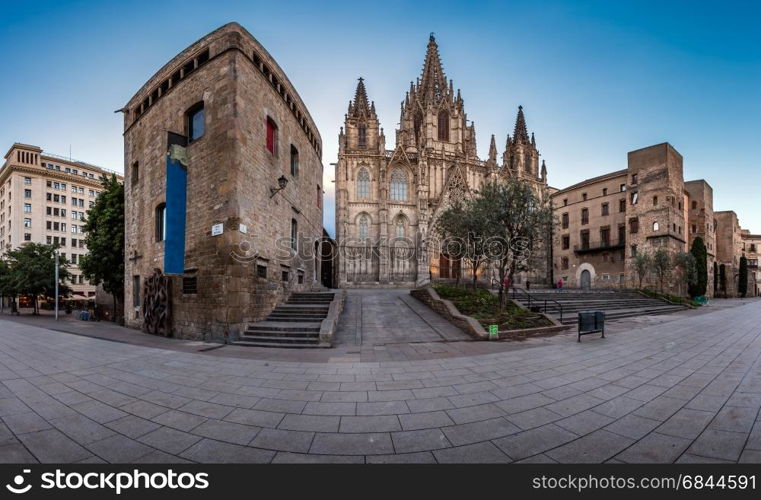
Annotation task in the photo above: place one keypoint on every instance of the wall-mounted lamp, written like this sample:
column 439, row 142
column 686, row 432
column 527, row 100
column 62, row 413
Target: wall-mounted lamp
column 281, row 183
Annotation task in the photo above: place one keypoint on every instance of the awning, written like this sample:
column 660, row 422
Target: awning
column 79, row 297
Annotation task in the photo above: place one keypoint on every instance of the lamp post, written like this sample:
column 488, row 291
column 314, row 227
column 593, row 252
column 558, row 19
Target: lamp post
column 56, row 284
column 281, row 183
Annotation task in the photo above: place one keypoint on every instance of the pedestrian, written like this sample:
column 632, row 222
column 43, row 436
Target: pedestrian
column 560, row 285
column 528, row 285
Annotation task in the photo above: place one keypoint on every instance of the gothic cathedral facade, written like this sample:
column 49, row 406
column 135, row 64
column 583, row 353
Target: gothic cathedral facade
column 387, row 200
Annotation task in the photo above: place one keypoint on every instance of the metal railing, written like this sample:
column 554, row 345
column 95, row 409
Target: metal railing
column 535, row 300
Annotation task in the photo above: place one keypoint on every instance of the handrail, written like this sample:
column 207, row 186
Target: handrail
column 536, row 299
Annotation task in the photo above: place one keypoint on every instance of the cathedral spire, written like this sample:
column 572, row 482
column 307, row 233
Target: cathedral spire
column 544, row 172
column 520, row 134
column 360, row 106
column 433, row 83
column 493, row 151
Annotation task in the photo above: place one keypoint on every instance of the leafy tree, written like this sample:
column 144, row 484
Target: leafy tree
column 661, row 266
column 687, row 265
column 464, row 228
column 6, row 290
column 518, row 223
column 700, row 255
column 104, row 262
column 742, row 280
column 32, row 271
column 642, row 265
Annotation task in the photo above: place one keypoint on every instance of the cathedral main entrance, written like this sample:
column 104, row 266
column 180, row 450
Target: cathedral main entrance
column 403, row 262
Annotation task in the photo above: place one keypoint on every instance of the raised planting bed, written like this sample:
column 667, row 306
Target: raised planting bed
column 475, row 310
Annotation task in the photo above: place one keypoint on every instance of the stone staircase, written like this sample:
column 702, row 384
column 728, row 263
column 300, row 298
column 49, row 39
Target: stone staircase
column 296, row 323
column 615, row 304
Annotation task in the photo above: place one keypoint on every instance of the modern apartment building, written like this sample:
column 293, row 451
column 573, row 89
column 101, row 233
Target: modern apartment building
column 44, row 199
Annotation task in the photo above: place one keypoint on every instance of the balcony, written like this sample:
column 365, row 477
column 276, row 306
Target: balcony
column 599, row 246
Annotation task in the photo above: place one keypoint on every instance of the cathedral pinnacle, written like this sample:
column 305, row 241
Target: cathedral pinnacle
column 432, row 84
column 360, row 106
column 493, row 150
column 520, row 134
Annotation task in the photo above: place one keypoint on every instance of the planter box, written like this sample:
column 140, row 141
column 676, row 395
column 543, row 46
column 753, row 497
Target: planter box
column 471, row 326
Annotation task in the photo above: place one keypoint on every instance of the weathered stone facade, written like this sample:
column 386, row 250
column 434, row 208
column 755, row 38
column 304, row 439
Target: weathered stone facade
column 255, row 135
column 752, row 251
column 387, row 200
column 606, row 220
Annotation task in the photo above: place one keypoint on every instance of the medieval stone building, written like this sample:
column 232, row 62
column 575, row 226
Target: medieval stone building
column 387, row 200
column 223, row 190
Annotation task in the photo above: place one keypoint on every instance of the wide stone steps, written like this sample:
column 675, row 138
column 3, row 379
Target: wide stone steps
column 294, row 324
column 615, row 304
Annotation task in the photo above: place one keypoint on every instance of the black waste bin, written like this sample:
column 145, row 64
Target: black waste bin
column 591, row 322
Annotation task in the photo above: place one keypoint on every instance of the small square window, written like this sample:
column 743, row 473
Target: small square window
column 261, row 271
column 284, row 276
column 189, row 285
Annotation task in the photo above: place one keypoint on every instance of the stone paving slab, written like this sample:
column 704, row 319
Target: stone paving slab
column 687, row 393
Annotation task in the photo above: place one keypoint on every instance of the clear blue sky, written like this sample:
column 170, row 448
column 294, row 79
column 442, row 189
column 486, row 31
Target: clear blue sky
column 596, row 79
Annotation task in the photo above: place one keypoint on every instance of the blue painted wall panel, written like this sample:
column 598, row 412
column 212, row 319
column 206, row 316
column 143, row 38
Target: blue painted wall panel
column 176, row 200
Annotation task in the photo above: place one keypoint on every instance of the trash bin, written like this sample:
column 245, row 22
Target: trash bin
column 591, row 322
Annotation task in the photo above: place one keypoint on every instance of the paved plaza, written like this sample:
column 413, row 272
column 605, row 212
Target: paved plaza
column 686, row 390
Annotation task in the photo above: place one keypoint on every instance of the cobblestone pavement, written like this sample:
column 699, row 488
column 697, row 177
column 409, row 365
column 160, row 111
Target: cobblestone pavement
column 684, row 391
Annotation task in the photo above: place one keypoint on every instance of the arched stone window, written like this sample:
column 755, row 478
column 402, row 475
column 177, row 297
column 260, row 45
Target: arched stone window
column 398, row 184
column 363, row 183
column 364, row 227
column 362, row 136
column 656, row 226
column 443, row 125
column 160, row 222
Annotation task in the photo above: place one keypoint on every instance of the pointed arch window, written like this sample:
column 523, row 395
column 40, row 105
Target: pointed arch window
column 443, row 125
column 363, row 183
column 399, row 227
column 362, row 136
column 364, row 227
column 398, row 184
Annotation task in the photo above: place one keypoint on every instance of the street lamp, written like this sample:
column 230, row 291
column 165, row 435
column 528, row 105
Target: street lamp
column 281, row 182
column 55, row 252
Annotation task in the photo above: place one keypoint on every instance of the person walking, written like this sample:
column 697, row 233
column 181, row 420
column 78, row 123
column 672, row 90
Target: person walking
column 528, row 285
column 560, row 285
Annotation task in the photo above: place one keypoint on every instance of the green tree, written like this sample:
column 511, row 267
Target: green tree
column 104, row 262
column 699, row 252
column 642, row 265
column 463, row 227
column 518, row 225
column 715, row 278
column 742, row 280
column 687, row 266
column 32, row 271
column 661, row 266
column 452, row 229
column 6, row 289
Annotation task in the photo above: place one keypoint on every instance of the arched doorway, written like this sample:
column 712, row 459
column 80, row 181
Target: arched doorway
column 586, row 280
